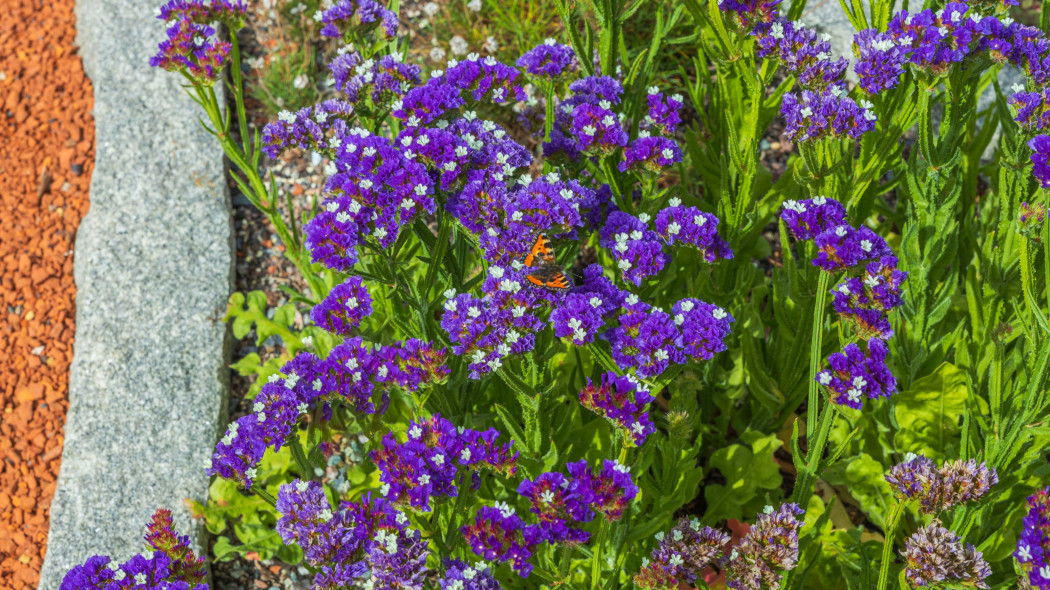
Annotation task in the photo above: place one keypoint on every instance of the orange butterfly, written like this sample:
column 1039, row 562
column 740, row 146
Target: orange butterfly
column 545, row 272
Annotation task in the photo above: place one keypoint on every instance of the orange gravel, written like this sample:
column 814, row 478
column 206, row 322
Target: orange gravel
column 47, row 144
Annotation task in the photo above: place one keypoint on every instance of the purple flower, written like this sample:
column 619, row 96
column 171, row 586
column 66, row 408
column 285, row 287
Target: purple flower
column 624, row 402
column 803, row 53
column 192, row 48
column 935, row 556
column 379, row 80
column 486, row 333
column 811, row 217
column 768, row 549
column 1030, row 220
column 1033, row 546
column 345, row 18
column 461, row 576
column 1040, row 145
column 682, row 554
column 955, row 482
column 427, row 464
column 635, row 247
column 344, row 307
column 702, row 328
column 645, row 339
column 689, row 225
column 843, row 247
column 578, row 318
column 560, row 507
column 880, row 60
column 663, row 111
column 609, row 492
column 811, row 116
column 308, row 520
column 168, row 564
column 230, row 12
column 597, row 130
column 549, row 59
column 497, row 534
column 651, row 153
column 853, row 374
column 594, row 89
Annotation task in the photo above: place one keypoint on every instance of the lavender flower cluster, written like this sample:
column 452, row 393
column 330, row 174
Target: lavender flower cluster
column 937, row 557
column 192, row 46
column 623, row 401
column 937, row 489
column 352, row 375
column 168, row 564
column 429, row 462
column 1033, row 546
column 822, row 109
column 561, row 504
column 757, row 562
column 871, row 290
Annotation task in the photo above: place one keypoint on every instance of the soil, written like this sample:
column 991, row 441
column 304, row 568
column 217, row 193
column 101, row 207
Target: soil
column 46, row 160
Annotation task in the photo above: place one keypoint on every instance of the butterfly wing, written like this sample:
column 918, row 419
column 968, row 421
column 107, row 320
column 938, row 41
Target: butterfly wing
column 549, row 276
column 540, row 253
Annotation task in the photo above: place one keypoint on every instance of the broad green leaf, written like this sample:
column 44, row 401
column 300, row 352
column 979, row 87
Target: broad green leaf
column 928, row 414
column 748, row 471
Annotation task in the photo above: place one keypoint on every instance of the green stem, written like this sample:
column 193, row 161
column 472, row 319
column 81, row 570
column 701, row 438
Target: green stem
column 566, row 561
column 815, row 353
column 808, row 476
column 306, row 469
column 596, row 560
column 887, row 544
column 259, row 491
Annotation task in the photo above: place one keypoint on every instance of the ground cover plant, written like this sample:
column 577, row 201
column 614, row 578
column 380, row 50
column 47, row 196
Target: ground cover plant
column 577, row 332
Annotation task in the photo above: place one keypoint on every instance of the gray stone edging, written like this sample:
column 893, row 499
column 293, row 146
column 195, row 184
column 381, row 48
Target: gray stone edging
column 153, row 269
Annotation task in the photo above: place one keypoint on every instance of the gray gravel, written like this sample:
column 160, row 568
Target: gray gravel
column 154, row 271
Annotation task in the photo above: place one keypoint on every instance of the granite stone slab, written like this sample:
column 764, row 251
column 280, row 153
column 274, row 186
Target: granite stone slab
column 153, row 269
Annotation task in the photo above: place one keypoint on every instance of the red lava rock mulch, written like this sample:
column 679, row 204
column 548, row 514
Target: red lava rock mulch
column 47, row 143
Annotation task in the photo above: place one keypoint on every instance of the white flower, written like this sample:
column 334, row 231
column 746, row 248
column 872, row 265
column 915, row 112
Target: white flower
column 300, row 81
column 491, row 45
column 458, row 45
column 719, row 313
column 824, row 378
column 796, row 206
column 437, row 54
column 430, row 8
column 674, row 228
column 1024, row 553
column 415, row 431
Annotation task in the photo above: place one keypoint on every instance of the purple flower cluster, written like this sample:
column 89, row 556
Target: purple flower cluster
column 1040, row 157
column 366, row 539
column 168, row 565
column 229, row 12
column 548, row 59
column 768, row 549
column 346, row 18
column 634, row 246
column 748, row 13
column 584, row 122
column 344, row 307
column 803, row 52
column 1033, row 110
column 814, row 115
column 351, row 375
column 475, row 78
column 854, row 374
column 561, row 502
column 689, row 225
column 427, row 464
column 681, row 555
column 318, row 128
column 379, row 80
column 866, row 298
column 192, row 48
column 624, row 402
column 936, row 489
column 652, row 153
column 649, row 339
column 1033, row 546
column 935, row 556
column 934, row 41
column 461, row 576
column 755, row 563
column 376, row 191
column 663, row 111
column 498, row 533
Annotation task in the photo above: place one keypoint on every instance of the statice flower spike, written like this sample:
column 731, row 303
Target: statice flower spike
column 810, row 115
column 497, row 534
column 937, row 489
column 681, row 555
column 344, row 307
column 611, row 490
column 936, row 557
column 811, row 217
column 768, row 549
column 231, row 13
column 549, row 59
column 702, row 328
column 650, row 154
column 854, row 374
column 1033, row 546
column 561, row 508
column 804, row 53
column 193, row 49
column 1030, row 220
column 624, row 402
column 345, row 18
column 168, row 564
column 460, row 575
column 689, row 225
column 1040, row 157
column 635, row 247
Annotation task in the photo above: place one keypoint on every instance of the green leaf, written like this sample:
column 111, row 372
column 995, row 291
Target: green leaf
column 928, row 413
column 868, row 485
column 747, row 472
